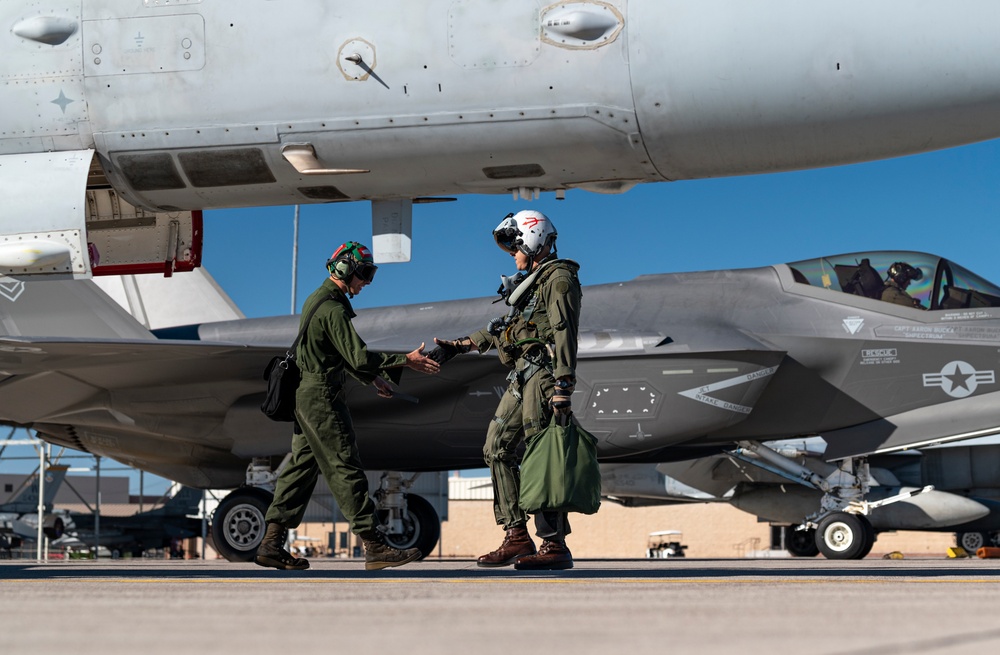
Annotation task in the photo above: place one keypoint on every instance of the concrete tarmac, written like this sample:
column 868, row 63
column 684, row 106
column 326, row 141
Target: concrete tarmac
column 815, row 606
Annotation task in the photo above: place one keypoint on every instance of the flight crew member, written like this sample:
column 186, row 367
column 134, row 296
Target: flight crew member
column 898, row 278
column 324, row 440
column 538, row 340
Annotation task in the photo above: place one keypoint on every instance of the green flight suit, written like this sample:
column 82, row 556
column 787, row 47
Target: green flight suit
column 540, row 344
column 324, row 439
column 896, row 295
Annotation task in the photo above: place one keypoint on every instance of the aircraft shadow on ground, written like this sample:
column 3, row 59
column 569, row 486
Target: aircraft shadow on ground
column 589, row 571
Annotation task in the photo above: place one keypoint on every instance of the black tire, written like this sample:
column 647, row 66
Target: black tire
column 844, row 536
column 800, row 543
column 238, row 523
column 422, row 527
column 53, row 527
column 972, row 541
column 870, row 537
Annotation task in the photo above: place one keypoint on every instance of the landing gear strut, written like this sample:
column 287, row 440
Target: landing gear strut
column 841, row 525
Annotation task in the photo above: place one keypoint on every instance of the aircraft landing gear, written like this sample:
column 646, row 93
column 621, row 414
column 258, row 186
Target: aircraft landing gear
column 845, row 536
column 800, row 543
column 973, row 541
column 841, row 525
column 238, row 523
column 410, row 520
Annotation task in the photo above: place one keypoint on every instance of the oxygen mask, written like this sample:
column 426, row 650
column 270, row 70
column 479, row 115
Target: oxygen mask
column 508, row 283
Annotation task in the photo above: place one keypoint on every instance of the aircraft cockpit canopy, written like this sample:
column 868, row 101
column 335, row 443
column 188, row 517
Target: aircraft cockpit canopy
column 942, row 285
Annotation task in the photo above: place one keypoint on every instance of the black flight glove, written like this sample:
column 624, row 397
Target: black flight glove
column 561, row 397
column 448, row 349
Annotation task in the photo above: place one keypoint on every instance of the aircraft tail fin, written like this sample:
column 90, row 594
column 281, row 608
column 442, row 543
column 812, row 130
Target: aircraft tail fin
column 111, row 307
column 185, row 298
column 63, row 309
column 27, row 499
column 186, row 501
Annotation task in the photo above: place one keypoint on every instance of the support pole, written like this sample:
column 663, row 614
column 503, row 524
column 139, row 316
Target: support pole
column 41, row 502
column 295, row 259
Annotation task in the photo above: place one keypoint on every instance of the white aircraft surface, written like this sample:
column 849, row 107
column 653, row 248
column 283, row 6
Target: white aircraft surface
column 122, row 120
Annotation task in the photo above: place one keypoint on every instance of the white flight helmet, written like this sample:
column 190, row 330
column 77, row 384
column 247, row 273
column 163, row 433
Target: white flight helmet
column 528, row 231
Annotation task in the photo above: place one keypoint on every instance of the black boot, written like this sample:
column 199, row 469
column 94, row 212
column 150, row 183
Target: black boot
column 380, row 555
column 272, row 553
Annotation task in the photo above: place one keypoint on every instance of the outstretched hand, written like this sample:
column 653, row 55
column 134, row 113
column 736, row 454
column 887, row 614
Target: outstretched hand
column 418, row 361
column 447, row 349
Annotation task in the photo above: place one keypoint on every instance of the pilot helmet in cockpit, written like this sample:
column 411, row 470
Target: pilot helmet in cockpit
column 902, row 273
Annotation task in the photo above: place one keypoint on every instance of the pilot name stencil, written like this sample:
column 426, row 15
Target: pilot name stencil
column 951, row 332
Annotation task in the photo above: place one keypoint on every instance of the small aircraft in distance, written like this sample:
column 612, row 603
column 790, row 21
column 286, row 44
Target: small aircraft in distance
column 155, row 528
column 19, row 515
column 123, row 120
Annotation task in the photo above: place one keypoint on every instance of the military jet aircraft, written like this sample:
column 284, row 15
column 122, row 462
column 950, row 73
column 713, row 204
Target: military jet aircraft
column 672, row 366
column 19, row 514
column 965, row 498
column 154, row 528
column 122, row 120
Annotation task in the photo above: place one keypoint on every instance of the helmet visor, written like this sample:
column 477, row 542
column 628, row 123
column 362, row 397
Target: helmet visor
column 507, row 234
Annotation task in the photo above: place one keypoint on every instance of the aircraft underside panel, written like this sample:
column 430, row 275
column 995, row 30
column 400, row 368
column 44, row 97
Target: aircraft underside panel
column 726, row 87
column 44, row 191
column 128, row 240
column 78, row 232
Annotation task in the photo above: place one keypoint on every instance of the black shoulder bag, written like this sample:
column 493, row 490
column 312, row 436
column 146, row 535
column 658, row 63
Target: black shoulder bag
column 282, row 376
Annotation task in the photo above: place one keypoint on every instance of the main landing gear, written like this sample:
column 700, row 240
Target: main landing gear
column 841, row 527
column 238, row 524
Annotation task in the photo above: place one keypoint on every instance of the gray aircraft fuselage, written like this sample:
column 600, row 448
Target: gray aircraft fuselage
column 670, row 366
column 182, row 106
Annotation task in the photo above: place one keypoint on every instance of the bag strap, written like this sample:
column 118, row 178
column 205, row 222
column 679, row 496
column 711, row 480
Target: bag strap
column 305, row 325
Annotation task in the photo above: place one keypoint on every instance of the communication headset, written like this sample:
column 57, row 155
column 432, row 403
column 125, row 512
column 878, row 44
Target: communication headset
column 348, row 259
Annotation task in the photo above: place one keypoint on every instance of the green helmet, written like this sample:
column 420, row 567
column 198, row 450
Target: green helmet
column 350, row 259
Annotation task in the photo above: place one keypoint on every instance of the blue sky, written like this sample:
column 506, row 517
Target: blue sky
column 946, row 203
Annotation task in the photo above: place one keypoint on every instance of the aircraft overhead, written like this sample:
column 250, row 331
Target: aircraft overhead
column 123, row 120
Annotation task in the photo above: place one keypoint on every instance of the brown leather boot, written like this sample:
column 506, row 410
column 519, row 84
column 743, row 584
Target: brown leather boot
column 517, row 543
column 380, row 555
column 272, row 553
column 552, row 556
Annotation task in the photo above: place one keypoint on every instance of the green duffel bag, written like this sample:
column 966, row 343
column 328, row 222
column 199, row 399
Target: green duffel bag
column 559, row 471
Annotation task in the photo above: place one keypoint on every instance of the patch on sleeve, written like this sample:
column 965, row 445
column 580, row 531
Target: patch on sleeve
column 562, row 286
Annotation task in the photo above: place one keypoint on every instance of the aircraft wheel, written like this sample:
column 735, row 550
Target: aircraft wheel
column 421, row 528
column 844, row 536
column 972, row 541
column 800, row 543
column 53, row 527
column 870, row 538
column 238, row 523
